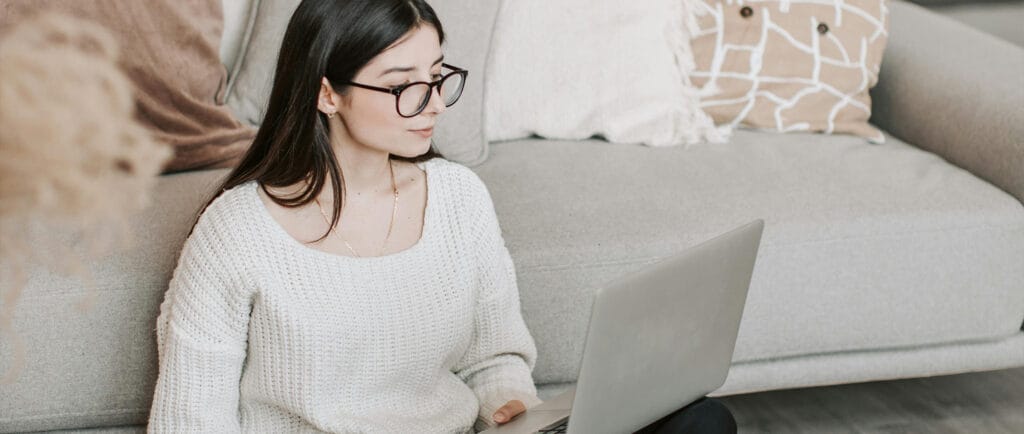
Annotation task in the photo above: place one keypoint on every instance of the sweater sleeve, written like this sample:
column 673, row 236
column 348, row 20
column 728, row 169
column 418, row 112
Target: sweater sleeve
column 201, row 332
column 498, row 364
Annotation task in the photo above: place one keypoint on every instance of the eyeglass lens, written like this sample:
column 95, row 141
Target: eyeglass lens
column 415, row 98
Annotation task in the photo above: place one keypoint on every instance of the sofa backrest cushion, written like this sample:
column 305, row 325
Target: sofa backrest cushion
column 468, row 25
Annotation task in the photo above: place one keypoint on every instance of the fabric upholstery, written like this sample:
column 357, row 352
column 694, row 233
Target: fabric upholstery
column 860, row 366
column 790, row 65
column 882, row 261
column 467, row 24
column 253, row 72
column 865, row 246
column 237, row 26
column 997, row 18
column 239, row 17
column 951, row 2
column 876, row 365
column 955, row 91
column 818, row 370
column 574, row 69
column 98, row 367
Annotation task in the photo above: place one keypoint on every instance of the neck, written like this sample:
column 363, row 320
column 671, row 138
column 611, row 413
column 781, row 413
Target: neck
column 367, row 171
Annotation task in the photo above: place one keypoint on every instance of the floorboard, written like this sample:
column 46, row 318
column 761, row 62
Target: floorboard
column 980, row 402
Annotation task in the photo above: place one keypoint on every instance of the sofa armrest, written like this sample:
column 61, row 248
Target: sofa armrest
column 954, row 91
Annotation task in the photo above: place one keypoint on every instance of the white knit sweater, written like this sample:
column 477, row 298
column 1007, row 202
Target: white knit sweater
column 260, row 333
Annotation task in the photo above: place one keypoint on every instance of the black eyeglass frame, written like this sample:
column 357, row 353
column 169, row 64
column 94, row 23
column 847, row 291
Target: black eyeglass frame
column 397, row 91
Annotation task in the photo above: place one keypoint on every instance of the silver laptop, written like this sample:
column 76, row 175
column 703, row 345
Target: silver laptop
column 658, row 340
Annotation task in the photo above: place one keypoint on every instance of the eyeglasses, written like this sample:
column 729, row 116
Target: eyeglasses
column 412, row 98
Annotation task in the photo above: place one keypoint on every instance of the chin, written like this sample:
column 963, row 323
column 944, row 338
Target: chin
column 414, row 151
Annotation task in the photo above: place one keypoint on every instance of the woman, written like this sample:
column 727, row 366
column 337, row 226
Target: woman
column 405, row 318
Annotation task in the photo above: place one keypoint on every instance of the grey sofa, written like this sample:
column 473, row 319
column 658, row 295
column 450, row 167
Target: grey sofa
column 1000, row 18
column 877, row 262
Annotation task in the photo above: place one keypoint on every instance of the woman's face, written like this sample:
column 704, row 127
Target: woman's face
column 370, row 118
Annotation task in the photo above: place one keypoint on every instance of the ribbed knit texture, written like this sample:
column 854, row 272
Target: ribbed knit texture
column 260, row 333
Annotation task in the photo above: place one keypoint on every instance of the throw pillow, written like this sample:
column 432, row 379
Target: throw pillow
column 575, row 69
column 170, row 52
column 467, row 25
column 239, row 17
column 791, row 65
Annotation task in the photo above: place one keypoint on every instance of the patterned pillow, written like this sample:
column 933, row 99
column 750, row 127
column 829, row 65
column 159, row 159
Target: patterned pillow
column 794, row 65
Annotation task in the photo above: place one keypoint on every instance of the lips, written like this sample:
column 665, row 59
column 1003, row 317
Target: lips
column 426, row 132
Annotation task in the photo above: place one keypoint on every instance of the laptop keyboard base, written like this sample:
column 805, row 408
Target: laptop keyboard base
column 558, row 428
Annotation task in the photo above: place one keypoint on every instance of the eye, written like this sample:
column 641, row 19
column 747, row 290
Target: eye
column 437, row 76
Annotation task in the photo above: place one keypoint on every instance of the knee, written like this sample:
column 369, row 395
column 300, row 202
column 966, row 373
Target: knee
column 713, row 417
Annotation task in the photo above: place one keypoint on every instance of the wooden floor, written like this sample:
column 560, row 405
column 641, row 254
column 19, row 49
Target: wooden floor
column 980, row 402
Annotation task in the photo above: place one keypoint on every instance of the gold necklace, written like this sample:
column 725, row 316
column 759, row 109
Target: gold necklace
column 394, row 212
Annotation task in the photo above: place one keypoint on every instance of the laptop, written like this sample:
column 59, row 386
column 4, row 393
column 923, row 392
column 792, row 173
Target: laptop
column 658, row 339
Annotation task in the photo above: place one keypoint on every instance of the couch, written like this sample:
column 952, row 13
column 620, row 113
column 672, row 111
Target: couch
column 877, row 261
column 997, row 17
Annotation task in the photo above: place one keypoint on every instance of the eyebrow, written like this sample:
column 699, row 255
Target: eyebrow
column 408, row 68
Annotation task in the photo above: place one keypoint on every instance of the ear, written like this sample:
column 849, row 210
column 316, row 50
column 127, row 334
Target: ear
column 327, row 100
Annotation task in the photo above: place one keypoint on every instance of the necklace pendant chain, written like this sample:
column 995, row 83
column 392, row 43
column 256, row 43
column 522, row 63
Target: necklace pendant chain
column 391, row 224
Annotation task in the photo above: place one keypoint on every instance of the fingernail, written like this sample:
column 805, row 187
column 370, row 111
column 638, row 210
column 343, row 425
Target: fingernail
column 500, row 417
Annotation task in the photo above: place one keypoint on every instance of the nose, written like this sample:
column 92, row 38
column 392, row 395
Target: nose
column 436, row 103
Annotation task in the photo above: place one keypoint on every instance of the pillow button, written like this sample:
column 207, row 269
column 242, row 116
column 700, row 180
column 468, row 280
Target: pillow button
column 746, row 12
column 823, row 28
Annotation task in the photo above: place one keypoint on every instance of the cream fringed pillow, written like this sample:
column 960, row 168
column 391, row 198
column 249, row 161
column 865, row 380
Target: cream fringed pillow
column 572, row 69
column 790, row 65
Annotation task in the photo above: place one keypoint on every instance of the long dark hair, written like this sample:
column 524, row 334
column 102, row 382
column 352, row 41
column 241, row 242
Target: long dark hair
column 325, row 38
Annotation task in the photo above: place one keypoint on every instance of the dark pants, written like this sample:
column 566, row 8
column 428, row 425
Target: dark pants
column 703, row 416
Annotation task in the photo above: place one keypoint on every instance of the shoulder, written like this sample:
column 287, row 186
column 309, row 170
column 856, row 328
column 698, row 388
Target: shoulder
column 218, row 252
column 231, row 204
column 469, row 197
column 223, row 220
column 460, row 182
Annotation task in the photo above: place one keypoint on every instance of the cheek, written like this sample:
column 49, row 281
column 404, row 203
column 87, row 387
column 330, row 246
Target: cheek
column 382, row 115
column 374, row 120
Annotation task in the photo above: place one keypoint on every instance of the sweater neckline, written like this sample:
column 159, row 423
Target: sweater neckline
column 425, row 233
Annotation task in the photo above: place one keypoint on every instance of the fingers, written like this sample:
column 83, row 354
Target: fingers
column 508, row 411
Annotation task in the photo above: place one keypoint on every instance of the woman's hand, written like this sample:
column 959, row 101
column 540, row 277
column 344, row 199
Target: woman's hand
column 508, row 411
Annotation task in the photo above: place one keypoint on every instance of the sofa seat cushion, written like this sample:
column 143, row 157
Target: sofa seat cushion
column 865, row 246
